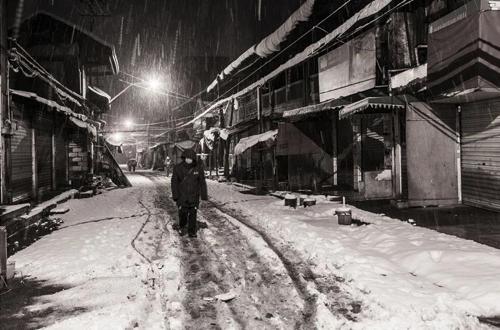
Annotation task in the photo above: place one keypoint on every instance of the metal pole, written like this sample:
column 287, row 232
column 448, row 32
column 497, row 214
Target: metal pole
column 3, row 256
column 5, row 118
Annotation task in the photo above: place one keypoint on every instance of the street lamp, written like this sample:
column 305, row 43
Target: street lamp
column 152, row 84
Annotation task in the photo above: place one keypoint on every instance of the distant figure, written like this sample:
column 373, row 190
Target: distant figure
column 132, row 164
column 167, row 165
column 188, row 183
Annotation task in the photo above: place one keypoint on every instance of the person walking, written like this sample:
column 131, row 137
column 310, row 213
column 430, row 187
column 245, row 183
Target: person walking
column 167, row 164
column 188, row 185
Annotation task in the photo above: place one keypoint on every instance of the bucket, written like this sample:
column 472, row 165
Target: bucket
column 291, row 200
column 309, row 202
column 344, row 216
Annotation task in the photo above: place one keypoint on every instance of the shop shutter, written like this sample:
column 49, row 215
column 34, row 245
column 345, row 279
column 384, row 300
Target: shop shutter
column 44, row 121
column 345, row 175
column 481, row 154
column 61, row 146
column 22, row 171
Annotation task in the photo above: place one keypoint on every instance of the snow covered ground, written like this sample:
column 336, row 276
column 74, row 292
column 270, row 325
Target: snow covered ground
column 406, row 277
column 92, row 255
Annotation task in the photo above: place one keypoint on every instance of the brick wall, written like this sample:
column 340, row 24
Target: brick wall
column 77, row 157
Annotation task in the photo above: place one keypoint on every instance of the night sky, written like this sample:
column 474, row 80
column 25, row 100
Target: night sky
column 152, row 37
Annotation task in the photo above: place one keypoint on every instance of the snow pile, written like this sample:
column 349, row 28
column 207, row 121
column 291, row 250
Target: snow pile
column 407, row 277
column 96, row 256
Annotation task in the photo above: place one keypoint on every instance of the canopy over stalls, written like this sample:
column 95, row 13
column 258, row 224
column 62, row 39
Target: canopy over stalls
column 268, row 137
column 300, row 113
column 99, row 97
column 272, row 42
column 378, row 103
column 77, row 118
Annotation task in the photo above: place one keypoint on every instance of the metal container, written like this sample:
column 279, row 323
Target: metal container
column 344, row 216
column 292, row 202
column 309, row 202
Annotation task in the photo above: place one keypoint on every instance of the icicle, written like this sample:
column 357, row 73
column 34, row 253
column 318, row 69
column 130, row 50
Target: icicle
column 121, row 32
column 259, row 10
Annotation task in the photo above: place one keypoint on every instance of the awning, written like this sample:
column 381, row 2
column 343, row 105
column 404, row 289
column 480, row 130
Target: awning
column 50, row 103
column 272, row 42
column 469, row 95
column 77, row 118
column 99, row 98
column 80, row 123
column 381, row 103
column 225, row 132
column 315, row 108
column 248, row 142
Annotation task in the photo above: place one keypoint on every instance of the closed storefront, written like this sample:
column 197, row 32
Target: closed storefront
column 61, row 151
column 345, row 165
column 22, row 171
column 44, row 123
column 480, row 144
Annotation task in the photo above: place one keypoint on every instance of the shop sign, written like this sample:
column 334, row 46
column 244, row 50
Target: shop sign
column 349, row 68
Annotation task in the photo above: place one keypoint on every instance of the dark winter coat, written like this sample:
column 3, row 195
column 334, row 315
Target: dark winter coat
column 188, row 184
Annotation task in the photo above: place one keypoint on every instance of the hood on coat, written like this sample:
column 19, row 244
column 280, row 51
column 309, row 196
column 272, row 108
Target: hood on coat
column 189, row 153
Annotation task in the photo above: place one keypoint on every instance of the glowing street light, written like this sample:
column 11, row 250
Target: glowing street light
column 152, row 84
column 128, row 123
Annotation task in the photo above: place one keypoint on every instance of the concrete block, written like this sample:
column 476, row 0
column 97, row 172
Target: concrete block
column 76, row 159
column 77, row 149
column 76, row 168
column 73, row 154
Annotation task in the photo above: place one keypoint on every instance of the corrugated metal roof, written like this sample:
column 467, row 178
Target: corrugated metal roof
column 383, row 102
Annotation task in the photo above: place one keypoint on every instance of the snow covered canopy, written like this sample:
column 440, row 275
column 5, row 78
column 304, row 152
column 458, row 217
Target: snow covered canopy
column 315, row 108
column 78, row 119
column 248, row 142
column 382, row 102
column 272, row 42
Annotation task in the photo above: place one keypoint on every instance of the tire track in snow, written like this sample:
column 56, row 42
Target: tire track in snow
column 337, row 303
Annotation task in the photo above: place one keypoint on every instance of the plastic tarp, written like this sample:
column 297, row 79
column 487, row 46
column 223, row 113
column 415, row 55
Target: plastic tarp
column 209, row 137
column 272, row 42
column 248, row 142
column 225, row 132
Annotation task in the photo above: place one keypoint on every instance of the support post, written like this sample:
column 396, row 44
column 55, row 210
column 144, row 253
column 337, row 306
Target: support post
column 335, row 116
column 397, row 168
column 34, row 173
column 3, row 256
column 357, row 175
column 53, row 156
column 5, row 117
column 459, row 153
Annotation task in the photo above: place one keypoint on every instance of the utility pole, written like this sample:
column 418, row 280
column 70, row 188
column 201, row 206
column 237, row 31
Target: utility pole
column 5, row 118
